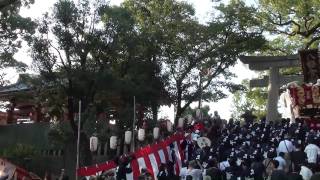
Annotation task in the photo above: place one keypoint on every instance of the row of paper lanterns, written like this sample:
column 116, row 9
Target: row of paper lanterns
column 141, row 133
column 128, row 137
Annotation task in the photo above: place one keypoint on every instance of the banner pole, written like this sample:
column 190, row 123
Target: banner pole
column 78, row 140
column 133, row 124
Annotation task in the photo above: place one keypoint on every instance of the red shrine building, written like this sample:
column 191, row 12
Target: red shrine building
column 18, row 105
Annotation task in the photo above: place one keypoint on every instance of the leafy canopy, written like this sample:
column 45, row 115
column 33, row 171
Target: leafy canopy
column 189, row 50
column 13, row 29
column 293, row 18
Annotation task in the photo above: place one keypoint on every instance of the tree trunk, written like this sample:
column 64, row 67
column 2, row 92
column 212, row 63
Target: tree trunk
column 154, row 109
column 71, row 114
column 178, row 105
column 178, row 114
column 85, row 154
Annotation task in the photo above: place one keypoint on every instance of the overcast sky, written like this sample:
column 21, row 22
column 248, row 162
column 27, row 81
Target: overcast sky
column 203, row 11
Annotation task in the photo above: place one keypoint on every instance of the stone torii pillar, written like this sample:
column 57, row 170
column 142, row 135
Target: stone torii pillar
column 273, row 93
column 282, row 80
column 275, row 80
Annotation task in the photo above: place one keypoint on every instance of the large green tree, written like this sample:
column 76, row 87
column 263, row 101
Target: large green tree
column 64, row 51
column 195, row 56
column 135, row 67
column 92, row 52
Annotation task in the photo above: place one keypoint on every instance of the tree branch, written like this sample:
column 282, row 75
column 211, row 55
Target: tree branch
column 197, row 93
column 312, row 41
column 311, row 31
column 284, row 32
column 60, row 56
column 194, row 61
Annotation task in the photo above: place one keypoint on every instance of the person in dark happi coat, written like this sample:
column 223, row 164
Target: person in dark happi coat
column 163, row 173
column 278, row 174
column 298, row 156
column 189, row 148
column 213, row 170
column 171, row 163
column 123, row 168
column 233, row 170
column 294, row 175
column 258, row 168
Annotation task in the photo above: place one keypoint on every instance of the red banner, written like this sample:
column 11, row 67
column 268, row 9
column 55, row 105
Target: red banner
column 149, row 157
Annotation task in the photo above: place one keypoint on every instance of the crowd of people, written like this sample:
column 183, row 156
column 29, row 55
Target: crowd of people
column 261, row 150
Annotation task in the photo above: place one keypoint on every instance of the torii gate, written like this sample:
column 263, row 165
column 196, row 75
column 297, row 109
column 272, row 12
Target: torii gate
column 274, row 81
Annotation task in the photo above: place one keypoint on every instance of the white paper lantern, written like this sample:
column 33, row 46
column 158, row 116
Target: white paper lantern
column 169, row 126
column 181, row 123
column 156, row 131
column 127, row 137
column 113, row 142
column 141, row 134
column 190, row 118
column 198, row 113
column 93, row 143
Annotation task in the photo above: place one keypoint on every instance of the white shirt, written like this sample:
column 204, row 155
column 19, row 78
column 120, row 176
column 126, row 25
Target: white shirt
column 312, row 151
column 223, row 165
column 306, row 173
column 183, row 173
column 285, row 146
column 195, row 173
column 282, row 163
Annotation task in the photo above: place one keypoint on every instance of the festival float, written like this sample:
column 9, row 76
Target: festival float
column 304, row 98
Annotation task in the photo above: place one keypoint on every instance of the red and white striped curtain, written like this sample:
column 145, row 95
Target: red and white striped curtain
column 12, row 171
column 21, row 174
column 149, row 157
